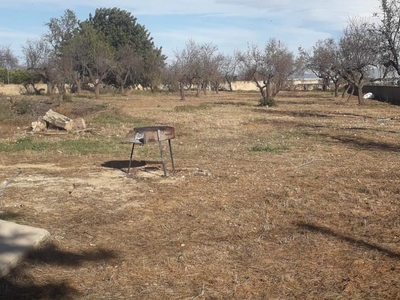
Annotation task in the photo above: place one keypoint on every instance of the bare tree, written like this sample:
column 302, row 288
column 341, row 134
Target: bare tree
column 269, row 68
column 357, row 54
column 387, row 32
column 206, row 67
column 8, row 60
column 228, row 69
column 196, row 66
column 324, row 63
column 185, row 66
column 216, row 71
column 40, row 59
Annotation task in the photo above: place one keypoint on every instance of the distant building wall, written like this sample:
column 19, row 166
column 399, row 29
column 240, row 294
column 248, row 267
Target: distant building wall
column 17, row 89
column 297, row 84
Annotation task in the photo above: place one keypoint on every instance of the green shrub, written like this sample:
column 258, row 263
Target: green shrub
column 266, row 102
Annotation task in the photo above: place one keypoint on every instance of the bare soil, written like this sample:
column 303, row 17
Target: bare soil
column 296, row 201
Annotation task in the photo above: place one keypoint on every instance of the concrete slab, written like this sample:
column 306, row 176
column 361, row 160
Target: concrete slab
column 15, row 242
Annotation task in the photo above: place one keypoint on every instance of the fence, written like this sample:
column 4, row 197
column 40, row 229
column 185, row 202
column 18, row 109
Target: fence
column 390, row 94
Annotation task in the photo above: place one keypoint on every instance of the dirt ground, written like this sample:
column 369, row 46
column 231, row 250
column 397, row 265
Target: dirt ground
column 296, row 201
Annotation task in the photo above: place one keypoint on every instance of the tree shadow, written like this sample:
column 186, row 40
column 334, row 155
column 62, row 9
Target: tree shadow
column 8, row 215
column 364, row 144
column 355, row 241
column 19, row 284
column 296, row 114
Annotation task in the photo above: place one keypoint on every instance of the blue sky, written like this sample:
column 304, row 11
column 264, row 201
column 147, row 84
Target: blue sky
column 229, row 24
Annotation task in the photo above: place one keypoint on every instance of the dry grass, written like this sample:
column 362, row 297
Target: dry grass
column 318, row 219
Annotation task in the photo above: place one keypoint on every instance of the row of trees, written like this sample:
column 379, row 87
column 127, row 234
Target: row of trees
column 112, row 48
column 367, row 52
column 107, row 48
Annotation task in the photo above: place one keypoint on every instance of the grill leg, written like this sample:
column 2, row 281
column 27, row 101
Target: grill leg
column 172, row 157
column 130, row 159
column 161, row 152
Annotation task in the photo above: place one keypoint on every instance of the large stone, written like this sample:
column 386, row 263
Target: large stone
column 15, row 243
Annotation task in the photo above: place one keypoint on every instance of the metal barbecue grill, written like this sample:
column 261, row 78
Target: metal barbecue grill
column 148, row 134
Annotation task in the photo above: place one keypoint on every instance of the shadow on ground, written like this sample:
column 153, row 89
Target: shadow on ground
column 123, row 164
column 355, row 241
column 19, row 284
column 363, row 143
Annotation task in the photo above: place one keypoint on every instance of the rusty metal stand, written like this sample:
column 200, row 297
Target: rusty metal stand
column 170, row 153
column 161, row 154
column 130, row 159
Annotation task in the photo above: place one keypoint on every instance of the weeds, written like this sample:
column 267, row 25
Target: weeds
column 269, row 148
column 81, row 146
column 191, row 108
column 266, row 102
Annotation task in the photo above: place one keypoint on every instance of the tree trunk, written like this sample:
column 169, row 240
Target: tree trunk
column 325, row 84
column 337, row 85
column 49, row 88
column 262, row 90
column 268, row 90
column 230, row 86
column 78, row 84
column 198, row 90
column 181, row 91
column 351, row 93
column 346, row 90
column 97, row 90
column 360, row 95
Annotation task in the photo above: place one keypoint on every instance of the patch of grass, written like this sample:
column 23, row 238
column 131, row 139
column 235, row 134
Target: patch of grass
column 192, row 108
column 23, row 144
column 269, row 148
column 111, row 116
column 81, row 146
column 233, row 103
column 67, row 98
column 84, row 96
column 89, row 146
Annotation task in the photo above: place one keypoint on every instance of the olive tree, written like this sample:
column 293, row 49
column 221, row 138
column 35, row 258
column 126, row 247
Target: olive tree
column 128, row 67
column 93, row 54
